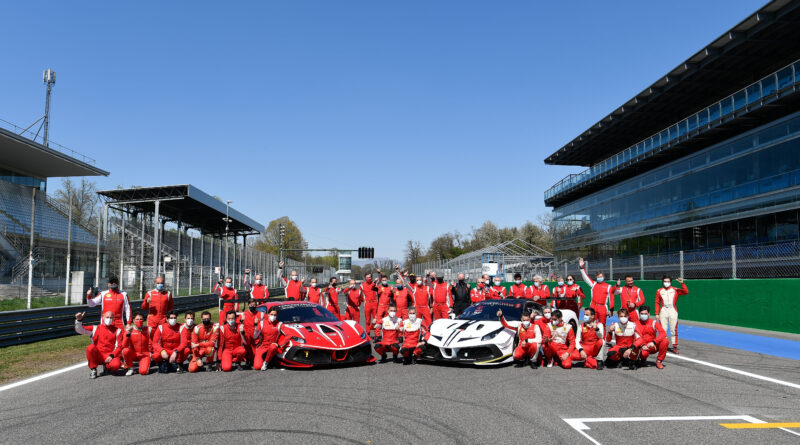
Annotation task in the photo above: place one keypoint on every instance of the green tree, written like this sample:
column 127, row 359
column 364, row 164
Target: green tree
column 292, row 239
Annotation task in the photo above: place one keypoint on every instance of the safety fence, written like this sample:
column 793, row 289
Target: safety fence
column 28, row 326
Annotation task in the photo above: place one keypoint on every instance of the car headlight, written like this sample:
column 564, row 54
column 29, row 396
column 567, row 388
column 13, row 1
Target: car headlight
column 298, row 340
column 491, row 335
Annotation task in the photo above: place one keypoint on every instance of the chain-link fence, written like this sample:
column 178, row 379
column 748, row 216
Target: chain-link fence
column 190, row 263
column 780, row 260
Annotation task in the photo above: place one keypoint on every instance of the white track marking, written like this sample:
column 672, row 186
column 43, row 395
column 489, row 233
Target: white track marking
column 580, row 426
column 41, row 376
column 736, row 371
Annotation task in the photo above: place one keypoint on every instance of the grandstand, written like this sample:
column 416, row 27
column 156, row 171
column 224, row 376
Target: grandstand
column 25, row 167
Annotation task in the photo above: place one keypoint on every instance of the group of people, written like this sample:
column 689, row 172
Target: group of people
column 397, row 316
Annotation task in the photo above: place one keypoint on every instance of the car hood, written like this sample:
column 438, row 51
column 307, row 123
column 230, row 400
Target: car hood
column 325, row 335
column 455, row 333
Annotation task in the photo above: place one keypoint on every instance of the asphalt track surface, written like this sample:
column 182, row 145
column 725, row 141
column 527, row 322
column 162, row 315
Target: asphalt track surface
column 392, row 403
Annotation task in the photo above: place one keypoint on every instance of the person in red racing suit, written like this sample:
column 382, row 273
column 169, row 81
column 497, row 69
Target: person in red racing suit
column 442, row 300
column 168, row 345
column 293, row 286
column 562, row 342
column 204, row 343
column 650, row 337
column 390, row 327
column 415, row 334
column 370, row 291
column 354, row 299
column 267, row 337
column 228, row 297
column 589, row 342
column 136, row 346
column 530, row 338
column 624, row 333
column 518, row 289
column 601, row 293
column 106, row 346
column 231, row 342
column 158, row 301
column 630, row 297
column 421, row 296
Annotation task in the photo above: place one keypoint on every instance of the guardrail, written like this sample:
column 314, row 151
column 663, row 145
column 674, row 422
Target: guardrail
column 21, row 327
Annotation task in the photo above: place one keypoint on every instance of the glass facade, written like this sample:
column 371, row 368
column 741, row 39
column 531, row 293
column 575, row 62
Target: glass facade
column 732, row 182
column 20, row 179
column 751, row 97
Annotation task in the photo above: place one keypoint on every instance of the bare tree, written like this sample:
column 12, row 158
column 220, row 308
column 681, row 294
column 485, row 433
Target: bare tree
column 85, row 201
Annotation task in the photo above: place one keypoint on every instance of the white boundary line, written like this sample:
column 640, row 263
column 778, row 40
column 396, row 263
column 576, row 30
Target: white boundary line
column 736, row 371
column 41, row 376
column 579, row 425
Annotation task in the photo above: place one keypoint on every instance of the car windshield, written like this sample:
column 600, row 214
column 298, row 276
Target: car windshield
column 303, row 313
column 487, row 310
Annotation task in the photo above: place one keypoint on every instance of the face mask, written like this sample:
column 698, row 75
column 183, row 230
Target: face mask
column 369, row 280
column 480, row 285
column 108, row 321
column 384, row 283
column 537, row 284
column 526, row 324
column 172, row 321
column 644, row 317
column 189, row 322
column 392, row 314
column 206, row 321
column 294, row 277
column 258, row 282
column 160, row 287
column 253, row 309
column 587, row 318
column 231, row 322
column 419, row 282
column 412, row 317
column 313, row 284
column 600, row 279
column 229, row 285
column 272, row 318
column 570, row 282
column 138, row 323
column 667, row 284
column 560, row 283
column 554, row 322
column 399, row 287
column 461, row 281
column 352, row 286
column 518, row 281
column 547, row 315
column 113, row 286
column 496, row 283
column 623, row 320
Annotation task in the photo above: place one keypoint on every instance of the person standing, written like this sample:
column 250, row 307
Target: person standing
column 573, row 296
column 518, row 289
column 421, row 297
column 385, row 298
column 667, row 307
column 293, row 285
column 332, row 298
column 258, row 290
column 497, row 291
column 113, row 300
column 354, row 299
column 106, row 346
column 313, row 293
column 461, row 295
column 402, row 295
column 630, row 297
column 539, row 292
column 601, row 293
column 480, row 293
column 228, row 297
column 369, row 289
column 158, row 302
column 442, row 302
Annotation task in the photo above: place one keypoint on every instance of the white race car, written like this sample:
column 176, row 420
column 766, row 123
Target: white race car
column 476, row 336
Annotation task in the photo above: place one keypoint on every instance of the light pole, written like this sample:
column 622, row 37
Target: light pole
column 227, row 227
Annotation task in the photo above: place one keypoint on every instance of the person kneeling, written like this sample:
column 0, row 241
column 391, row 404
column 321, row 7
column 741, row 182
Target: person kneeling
column 530, row 337
column 106, row 345
column 623, row 333
column 231, row 342
column 136, row 347
column 204, row 343
column 589, row 341
column 414, row 337
column 390, row 331
column 650, row 337
column 266, row 335
column 562, row 342
column 169, row 344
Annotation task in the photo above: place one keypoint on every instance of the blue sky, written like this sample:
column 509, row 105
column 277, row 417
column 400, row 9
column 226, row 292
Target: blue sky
column 367, row 123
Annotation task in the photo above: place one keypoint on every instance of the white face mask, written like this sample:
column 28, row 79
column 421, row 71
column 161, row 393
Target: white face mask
column 352, row 286
column 258, row 282
column 272, row 318
column 384, row 283
column 667, row 284
column 644, row 317
column 189, row 322
column 231, row 322
column 600, row 279
column 623, row 320
column 537, row 284
column 547, row 315
column 313, row 284
column 419, row 282
column 108, row 321
column 496, row 282
column 554, row 322
column 560, row 283
column 294, row 277
column 570, row 282
column 229, row 285
column 587, row 318
column 526, row 324
column 518, row 281
column 172, row 321
column 392, row 314
column 412, row 317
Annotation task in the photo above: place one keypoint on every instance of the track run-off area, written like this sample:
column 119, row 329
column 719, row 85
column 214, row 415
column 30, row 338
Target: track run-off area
column 710, row 393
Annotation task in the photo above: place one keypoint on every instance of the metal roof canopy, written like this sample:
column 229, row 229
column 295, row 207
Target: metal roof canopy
column 763, row 42
column 513, row 248
column 187, row 204
column 25, row 156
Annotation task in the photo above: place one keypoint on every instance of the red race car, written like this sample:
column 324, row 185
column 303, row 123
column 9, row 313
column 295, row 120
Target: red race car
column 317, row 338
